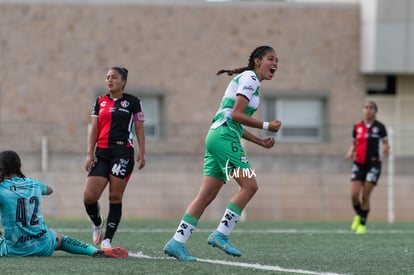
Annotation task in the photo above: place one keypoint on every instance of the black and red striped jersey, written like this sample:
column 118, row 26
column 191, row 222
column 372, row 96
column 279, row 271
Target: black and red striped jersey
column 367, row 141
column 116, row 119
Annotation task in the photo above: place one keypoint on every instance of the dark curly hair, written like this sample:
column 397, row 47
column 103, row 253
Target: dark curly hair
column 10, row 164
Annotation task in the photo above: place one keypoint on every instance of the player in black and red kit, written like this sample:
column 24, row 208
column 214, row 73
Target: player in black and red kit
column 111, row 153
column 366, row 169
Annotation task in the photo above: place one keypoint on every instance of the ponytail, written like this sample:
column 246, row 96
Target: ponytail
column 233, row 72
column 259, row 52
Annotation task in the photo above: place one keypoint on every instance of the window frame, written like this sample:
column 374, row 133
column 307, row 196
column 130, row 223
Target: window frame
column 270, row 111
column 157, row 121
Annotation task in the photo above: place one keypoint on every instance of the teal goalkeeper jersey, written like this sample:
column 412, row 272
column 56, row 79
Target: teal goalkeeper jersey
column 245, row 84
column 21, row 215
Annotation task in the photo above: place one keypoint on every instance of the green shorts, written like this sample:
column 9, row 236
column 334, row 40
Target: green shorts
column 225, row 157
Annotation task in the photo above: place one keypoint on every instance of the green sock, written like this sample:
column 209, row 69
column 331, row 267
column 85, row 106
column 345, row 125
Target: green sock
column 190, row 219
column 77, row 247
column 231, row 206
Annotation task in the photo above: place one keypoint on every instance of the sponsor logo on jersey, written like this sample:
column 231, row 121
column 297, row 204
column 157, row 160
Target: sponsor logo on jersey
column 124, row 103
column 26, row 238
column 248, row 88
column 120, row 169
column 103, row 104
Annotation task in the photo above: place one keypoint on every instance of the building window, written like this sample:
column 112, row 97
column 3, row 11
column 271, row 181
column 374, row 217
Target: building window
column 303, row 118
column 152, row 106
column 381, row 84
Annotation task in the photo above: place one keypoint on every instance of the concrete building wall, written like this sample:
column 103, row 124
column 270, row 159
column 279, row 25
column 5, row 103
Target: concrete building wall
column 55, row 57
column 54, row 61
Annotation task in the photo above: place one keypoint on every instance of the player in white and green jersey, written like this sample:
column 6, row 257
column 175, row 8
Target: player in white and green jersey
column 245, row 84
column 220, row 159
column 25, row 231
column 225, row 157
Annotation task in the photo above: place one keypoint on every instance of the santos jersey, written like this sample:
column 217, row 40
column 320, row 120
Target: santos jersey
column 116, row 118
column 25, row 231
column 367, row 141
column 246, row 84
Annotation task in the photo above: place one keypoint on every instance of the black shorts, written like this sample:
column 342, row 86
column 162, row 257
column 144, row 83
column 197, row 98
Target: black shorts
column 369, row 172
column 118, row 162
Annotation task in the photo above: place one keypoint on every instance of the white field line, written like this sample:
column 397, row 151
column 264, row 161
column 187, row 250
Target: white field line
column 241, row 264
column 256, row 231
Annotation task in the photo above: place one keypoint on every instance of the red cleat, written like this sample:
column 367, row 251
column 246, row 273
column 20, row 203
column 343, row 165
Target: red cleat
column 114, row 252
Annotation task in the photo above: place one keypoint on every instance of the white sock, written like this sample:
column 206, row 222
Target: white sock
column 228, row 222
column 183, row 232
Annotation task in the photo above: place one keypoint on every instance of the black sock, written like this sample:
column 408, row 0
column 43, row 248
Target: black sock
column 93, row 213
column 114, row 217
column 364, row 216
column 357, row 208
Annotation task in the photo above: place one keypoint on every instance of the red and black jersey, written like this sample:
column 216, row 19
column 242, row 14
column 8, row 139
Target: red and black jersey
column 116, row 119
column 367, row 141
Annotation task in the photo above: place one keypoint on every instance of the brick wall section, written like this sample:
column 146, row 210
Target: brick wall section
column 54, row 59
column 289, row 189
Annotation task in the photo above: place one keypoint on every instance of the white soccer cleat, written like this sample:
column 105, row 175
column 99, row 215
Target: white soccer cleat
column 97, row 232
column 106, row 244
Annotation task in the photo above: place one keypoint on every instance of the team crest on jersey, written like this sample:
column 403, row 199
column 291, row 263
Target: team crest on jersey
column 124, row 103
column 375, row 130
column 254, row 77
column 243, row 158
column 141, row 116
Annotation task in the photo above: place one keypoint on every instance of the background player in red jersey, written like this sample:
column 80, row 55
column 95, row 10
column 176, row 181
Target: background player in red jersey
column 111, row 153
column 366, row 169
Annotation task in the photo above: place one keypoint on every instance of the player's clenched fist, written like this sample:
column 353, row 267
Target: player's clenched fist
column 274, row 125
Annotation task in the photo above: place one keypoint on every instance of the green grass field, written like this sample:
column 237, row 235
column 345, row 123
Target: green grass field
column 267, row 248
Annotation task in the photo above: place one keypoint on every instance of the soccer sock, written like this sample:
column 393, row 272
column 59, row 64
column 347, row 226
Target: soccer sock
column 357, row 208
column 76, row 247
column 187, row 225
column 230, row 218
column 93, row 213
column 364, row 216
column 114, row 217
